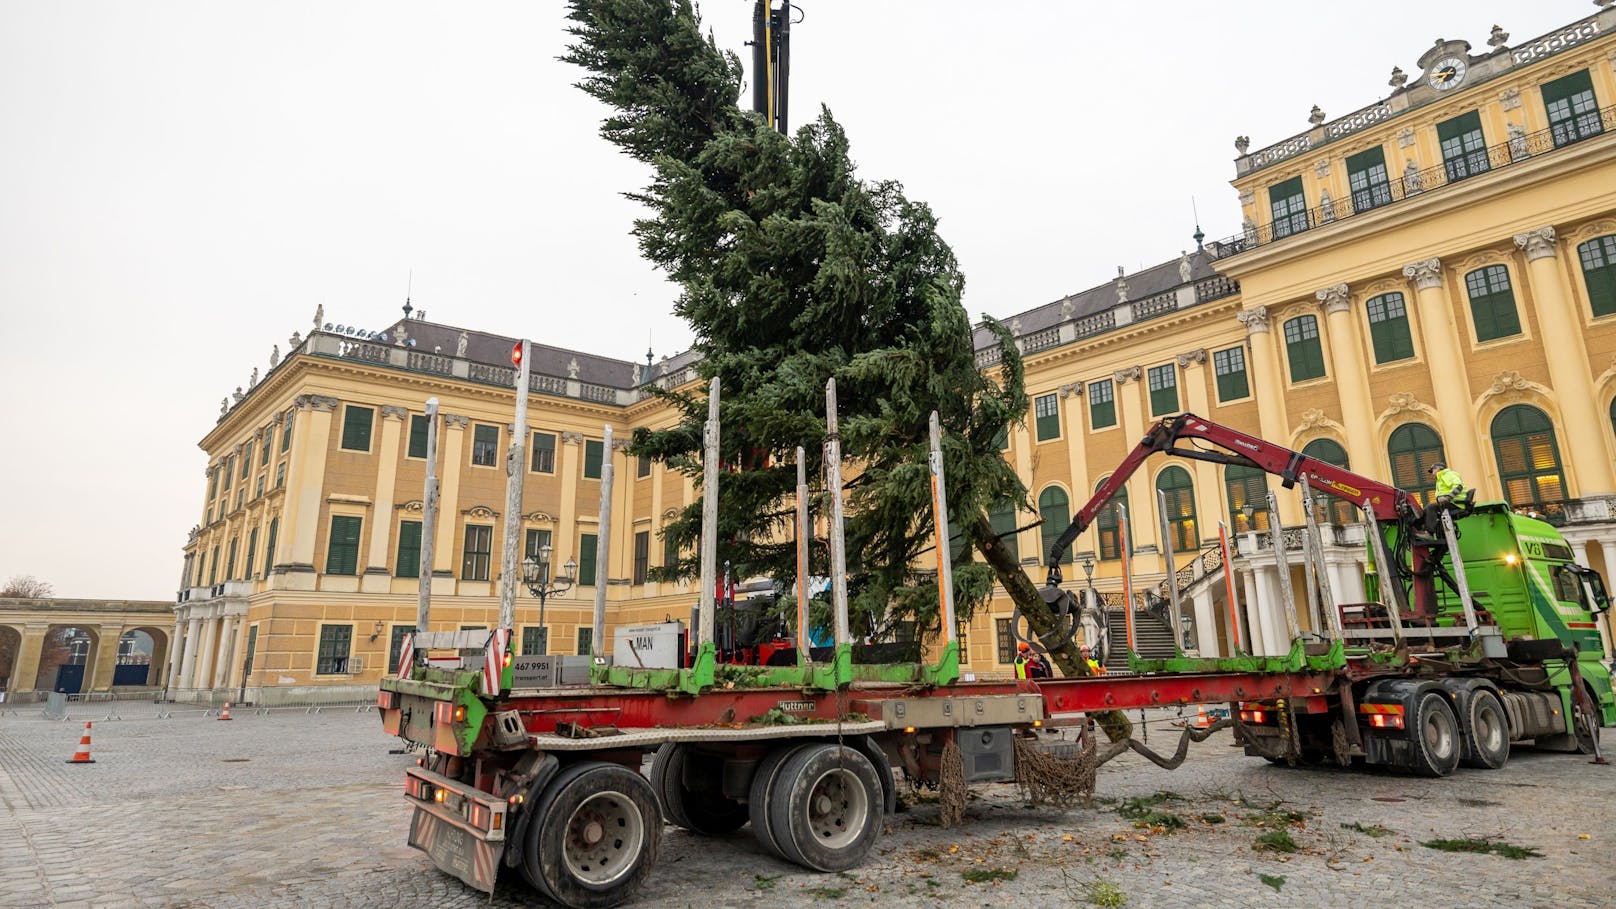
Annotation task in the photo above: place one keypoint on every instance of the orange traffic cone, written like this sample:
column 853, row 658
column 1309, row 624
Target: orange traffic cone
column 225, row 713
column 82, row 756
column 1202, row 721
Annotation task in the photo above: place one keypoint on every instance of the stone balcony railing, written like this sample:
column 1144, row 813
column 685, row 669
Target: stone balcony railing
column 227, row 590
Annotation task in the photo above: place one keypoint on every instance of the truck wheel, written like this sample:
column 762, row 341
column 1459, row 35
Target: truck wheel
column 1486, row 732
column 825, row 807
column 705, row 813
column 758, row 802
column 595, row 837
column 1434, row 737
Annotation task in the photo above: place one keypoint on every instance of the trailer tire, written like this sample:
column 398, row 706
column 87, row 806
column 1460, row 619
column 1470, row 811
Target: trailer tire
column 758, row 803
column 707, row 814
column 826, row 807
column 1434, row 740
column 1486, row 731
column 595, row 836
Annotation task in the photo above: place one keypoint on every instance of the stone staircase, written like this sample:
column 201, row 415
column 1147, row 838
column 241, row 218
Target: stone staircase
column 1152, row 639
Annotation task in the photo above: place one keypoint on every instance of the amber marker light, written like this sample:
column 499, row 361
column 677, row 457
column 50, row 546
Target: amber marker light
column 1511, row 559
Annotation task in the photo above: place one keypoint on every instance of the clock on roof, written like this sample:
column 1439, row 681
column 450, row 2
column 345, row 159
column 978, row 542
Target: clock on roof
column 1447, row 73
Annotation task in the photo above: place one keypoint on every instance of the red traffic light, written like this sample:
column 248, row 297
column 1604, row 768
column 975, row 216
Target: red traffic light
column 516, row 353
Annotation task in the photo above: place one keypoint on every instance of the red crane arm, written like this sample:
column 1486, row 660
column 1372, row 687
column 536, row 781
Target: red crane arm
column 1387, row 502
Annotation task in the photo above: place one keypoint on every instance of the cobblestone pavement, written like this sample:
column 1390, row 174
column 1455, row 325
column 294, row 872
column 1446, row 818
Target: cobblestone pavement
column 303, row 810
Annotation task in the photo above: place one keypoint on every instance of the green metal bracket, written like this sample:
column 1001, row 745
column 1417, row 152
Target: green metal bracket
column 946, row 671
column 1298, row 659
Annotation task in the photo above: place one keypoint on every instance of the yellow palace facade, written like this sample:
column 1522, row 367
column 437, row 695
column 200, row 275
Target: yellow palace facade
column 1430, row 277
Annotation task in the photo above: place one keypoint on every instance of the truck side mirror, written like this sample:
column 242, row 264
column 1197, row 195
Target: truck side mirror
column 1596, row 587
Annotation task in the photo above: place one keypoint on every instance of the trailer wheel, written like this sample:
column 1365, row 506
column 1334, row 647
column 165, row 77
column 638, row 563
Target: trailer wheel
column 825, row 807
column 595, row 836
column 704, row 813
column 758, row 803
column 1486, row 732
column 1435, row 736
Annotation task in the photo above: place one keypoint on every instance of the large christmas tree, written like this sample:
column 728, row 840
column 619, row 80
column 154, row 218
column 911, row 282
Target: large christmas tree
column 792, row 270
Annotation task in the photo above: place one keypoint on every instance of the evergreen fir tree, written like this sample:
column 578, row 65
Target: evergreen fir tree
column 793, row 270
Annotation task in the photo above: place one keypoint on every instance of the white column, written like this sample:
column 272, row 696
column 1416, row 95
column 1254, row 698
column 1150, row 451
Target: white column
column 1206, row 628
column 188, row 661
column 228, row 626
column 1266, row 609
column 204, row 659
column 1248, row 590
column 174, row 651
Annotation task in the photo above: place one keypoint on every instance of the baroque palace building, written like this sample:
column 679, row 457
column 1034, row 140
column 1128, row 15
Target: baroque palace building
column 1430, row 277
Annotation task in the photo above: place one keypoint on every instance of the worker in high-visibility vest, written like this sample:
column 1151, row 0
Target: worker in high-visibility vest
column 1449, row 486
column 1023, row 649
column 1088, row 657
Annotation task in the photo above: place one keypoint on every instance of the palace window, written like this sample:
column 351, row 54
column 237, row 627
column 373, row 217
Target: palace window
column 1180, row 494
column 1573, row 112
column 535, row 640
column 1492, row 303
column 269, row 545
column 252, row 553
column 1388, row 328
column 419, row 430
column 1102, row 404
column 1598, row 257
column 356, row 422
column 230, row 561
column 1528, row 456
column 1247, row 487
column 1413, row 448
column 479, row 549
column 408, row 563
column 342, row 550
column 395, row 646
column 642, row 556
column 1005, row 641
column 1302, row 348
column 1163, row 383
column 335, row 643
column 594, row 453
column 484, row 445
column 1366, row 177
column 1054, row 509
column 543, row 452
column 587, row 547
column 1288, row 206
column 586, row 638
column 1108, row 524
column 1046, row 412
column 1464, row 148
column 1002, row 516
column 1334, row 510
column 1230, row 368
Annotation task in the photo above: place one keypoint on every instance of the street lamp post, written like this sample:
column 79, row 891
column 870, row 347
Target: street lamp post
column 536, row 575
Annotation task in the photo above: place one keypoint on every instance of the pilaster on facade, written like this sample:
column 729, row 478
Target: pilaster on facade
column 1352, row 380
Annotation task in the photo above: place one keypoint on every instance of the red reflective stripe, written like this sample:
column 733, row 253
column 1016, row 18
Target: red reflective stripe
column 1381, row 708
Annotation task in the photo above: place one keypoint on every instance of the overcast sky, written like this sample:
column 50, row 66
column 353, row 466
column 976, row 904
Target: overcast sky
column 182, row 183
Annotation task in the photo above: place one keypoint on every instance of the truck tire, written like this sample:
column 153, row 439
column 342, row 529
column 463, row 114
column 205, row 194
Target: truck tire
column 1485, row 731
column 595, row 836
column 758, row 803
column 1434, row 736
column 704, row 813
column 825, row 807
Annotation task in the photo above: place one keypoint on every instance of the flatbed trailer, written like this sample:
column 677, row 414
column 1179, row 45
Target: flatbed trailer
column 545, row 780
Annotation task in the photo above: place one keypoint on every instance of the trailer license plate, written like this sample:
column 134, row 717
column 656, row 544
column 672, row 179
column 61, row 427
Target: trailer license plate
column 455, row 850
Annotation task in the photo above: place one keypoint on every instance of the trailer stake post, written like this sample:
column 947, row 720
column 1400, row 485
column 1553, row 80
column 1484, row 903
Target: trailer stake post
column 1287, row 594
column 1171, row 557
column 1228, row 587
column 838, row 538
column 804, row 530
column 947, row 668
column 1125, row 536
column 429, row 519
column 603, row 547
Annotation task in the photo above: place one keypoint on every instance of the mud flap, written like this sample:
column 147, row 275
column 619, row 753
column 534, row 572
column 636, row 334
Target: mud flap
column 456, row 850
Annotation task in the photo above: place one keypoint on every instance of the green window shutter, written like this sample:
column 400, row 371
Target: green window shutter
column 263, row 447
column 1366, row 178
column 1180, row 489
column 1046, row 413
column 356, row 422
column 408, row 564
column 418, row 434
column 1108, row 525
column 1412, row 449
column 585, row 640
column 1006, row 646
column 213, row 484
column 230, row 562
column 395, row 646
column 586, row 559
column 1388, row 328
column 1288, row 207
column 1598, row 258
column 286, row 433
column 1464, row 148
column 1528, row 456
column 593, row 452
column 1002, row 516
column 1302, row 348
column 1246, row 486
column 1492, row 303
column 1230, row 368
column 1053, row 507
column 1002, row 440
column 1102, row 404
column 342, row 551
column 269, row 545
column 1163, row 382
column 213, row 568
column 1337, row 511
column 252, row 552
column 246, row 461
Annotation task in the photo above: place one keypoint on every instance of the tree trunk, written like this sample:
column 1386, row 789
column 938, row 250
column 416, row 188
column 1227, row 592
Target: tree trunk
column 1040, row 618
